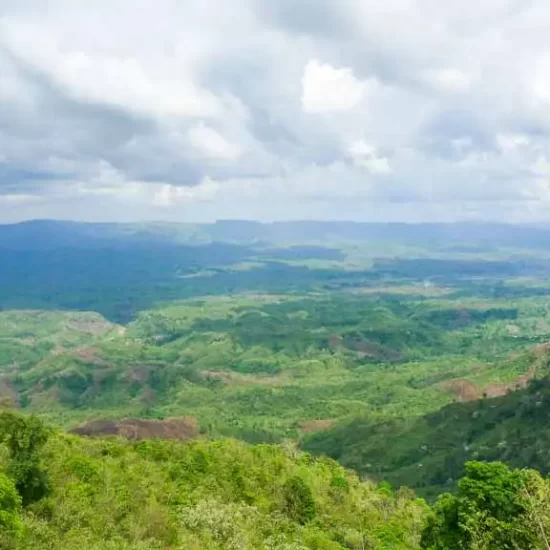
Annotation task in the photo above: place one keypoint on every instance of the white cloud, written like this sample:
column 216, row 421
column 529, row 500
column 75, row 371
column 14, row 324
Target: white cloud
column 117, row 79
column 510, row 142
column 170, row 195
column 365, row 156
column 540, row 83
column 449, row 80
column 167, row 195
column 14, row 199
column 211, row 144
column 158, row 110
column 541, row 167
column 326, row 89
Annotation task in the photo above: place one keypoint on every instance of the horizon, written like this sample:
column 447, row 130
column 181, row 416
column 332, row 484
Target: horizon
column 275, row 222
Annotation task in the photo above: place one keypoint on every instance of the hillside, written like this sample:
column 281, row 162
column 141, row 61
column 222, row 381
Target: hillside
column 274, row 275
column 428, row 452
column 267, row 367
column 378, row 355
column 62, row 492
column 204, row 495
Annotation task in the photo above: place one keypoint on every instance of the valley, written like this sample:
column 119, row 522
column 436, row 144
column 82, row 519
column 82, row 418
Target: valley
column 400, row 358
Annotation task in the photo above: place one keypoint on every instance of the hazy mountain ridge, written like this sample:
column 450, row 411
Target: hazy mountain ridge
column 50, row 233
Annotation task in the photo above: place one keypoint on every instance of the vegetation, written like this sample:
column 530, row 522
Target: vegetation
column 428, row 453
column 495, row 508
column 385, row 348
column 261, row 367
column 107, row 494
column 210, row 495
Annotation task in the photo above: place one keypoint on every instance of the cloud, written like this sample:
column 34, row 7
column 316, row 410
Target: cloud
column 210, row 143
column 326, row 89
column 354, row 109
column 449, row 80
column 15, row 199
column 365, row 156
column 541, row 167
column 510, row 142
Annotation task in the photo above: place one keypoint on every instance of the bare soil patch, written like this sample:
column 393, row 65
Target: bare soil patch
column 139, row 373
column 334, row 341
column 95, row 327
column 464, row 390
column 138, row 429
column 367, row 348
column 236, row 379
column 87, row 355
column 497, row 390
column 8, row 396
column 316, row 425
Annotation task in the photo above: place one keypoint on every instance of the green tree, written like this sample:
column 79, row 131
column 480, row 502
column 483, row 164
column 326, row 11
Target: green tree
column 299, row 503
column 10, row 504
column 491, row 511
column 24, row 437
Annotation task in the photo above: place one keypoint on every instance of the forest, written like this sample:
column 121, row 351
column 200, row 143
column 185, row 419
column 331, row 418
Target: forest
column 274, row 386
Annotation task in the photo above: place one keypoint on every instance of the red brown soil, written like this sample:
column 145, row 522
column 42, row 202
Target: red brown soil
column 8, row 396
column 237, row 379
column 497, row 390
column 334, row 341
column 148, row 396
column 316, row 425
column 87, row 355
column 542, row 348
column 465, row 390
column 364, row 348
column 139, row 373
column 95, row 327
column 138, row 429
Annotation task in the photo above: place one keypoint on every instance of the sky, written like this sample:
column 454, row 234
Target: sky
column 197, row 110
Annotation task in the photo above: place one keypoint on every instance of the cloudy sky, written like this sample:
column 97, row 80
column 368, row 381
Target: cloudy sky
column 195, row 110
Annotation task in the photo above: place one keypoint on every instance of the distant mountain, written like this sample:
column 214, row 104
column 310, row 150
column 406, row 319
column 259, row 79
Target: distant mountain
column 453, row 237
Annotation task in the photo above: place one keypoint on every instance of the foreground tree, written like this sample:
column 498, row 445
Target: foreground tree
column 24, row 437
column 10, row 504
column 299, row 503
column 496, row 508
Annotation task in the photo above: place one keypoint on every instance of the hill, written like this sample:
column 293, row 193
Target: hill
column 267, row 367
column 62, row 492
column 428, row 452
column 472, row 236
column 107, row 494
column 352, row 337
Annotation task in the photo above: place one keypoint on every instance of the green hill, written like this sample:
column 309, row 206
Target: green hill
column 428, row 452
column 110, row 494
column 63, row 492
column 264, row 367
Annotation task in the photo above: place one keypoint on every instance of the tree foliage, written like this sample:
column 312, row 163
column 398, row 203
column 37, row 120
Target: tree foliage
column 110, row 494
column 10, row 507
column 24, row 437
column 491, row 511
column 299, row 503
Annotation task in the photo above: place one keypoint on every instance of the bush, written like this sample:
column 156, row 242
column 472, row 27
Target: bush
column 299, row 503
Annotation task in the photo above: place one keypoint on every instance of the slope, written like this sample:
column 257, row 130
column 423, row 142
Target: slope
column 152, row 495
column 428, row 452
